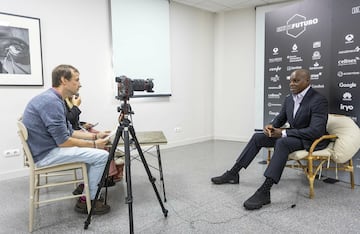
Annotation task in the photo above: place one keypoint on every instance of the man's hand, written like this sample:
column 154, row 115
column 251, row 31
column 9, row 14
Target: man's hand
column 276, row 133
column 87, row 126
column 102, row 135
column 101, row 143
column 76, row 100
column 270, row 131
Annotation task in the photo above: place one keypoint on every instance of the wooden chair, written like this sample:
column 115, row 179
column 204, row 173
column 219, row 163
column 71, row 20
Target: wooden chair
column 345, row 142
column 56, row 171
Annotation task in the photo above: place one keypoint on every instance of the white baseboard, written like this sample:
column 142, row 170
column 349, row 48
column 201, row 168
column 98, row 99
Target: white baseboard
column 14, row 174
column 232, row 138
column 186, row 142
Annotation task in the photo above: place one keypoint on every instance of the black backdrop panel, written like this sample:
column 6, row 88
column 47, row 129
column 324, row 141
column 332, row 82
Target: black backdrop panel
column 345, row 62
column 322, row 36
column 296, row 37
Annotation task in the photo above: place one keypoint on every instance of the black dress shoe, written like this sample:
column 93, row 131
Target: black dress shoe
column 100, row 207
column 79, row 189
column 257, row 200
column 227, row 178
column 109, row 182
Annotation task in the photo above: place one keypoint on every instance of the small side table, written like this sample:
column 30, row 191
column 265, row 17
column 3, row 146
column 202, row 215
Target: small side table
column 149, row 140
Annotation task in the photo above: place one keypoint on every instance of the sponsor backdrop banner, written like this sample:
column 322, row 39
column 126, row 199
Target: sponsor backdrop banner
column 322, row 36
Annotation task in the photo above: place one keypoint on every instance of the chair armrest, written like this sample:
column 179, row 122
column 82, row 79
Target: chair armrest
column 317, row 141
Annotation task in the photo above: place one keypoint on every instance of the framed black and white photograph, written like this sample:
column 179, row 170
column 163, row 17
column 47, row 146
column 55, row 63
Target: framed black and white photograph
column 20, row 50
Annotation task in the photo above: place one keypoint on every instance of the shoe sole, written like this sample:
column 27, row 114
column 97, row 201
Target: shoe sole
column 101, row 213
column 77, row 192
column 247, row 207
column 228, row 182
column 84, row 211
column 79, row 210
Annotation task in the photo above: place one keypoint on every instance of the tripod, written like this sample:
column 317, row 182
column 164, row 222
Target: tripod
column 125, row 127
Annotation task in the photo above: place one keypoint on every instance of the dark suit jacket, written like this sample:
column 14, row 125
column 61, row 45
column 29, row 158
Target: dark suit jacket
column 310, row 119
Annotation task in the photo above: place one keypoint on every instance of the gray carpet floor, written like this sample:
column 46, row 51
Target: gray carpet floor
column 195, row 205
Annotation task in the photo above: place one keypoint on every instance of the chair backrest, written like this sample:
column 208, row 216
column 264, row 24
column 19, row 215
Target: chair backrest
column 348, row 133
column 23, row 134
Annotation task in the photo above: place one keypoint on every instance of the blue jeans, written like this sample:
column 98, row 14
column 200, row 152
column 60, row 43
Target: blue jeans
column 95, row 160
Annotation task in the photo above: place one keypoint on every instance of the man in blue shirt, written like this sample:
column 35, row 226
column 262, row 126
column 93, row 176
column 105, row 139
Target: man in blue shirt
column 52, row 139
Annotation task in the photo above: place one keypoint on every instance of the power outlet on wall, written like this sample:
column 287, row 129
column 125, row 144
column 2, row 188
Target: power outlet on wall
column 177, row 129
column 11, row 153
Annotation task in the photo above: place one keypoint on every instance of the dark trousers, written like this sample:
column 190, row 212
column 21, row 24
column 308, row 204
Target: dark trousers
column 282, row 148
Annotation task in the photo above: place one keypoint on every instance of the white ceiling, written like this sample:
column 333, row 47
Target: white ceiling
column 226, row 5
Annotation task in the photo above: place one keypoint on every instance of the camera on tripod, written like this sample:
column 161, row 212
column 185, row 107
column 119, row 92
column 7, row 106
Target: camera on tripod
column 125, row 130
column 127, row 86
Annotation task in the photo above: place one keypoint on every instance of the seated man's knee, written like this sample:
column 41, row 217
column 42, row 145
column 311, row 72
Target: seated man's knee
column 102, row 155
column 258, row 137
column 283, row 143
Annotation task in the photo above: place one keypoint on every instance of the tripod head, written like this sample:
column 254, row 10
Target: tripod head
column 125, row 110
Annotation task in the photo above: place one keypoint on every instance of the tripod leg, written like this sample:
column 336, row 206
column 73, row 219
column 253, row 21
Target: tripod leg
column 129, row 198
column 146, row 166
column 105, row 174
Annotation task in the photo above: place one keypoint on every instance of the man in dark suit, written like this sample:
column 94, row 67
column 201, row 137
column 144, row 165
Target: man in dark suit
column 306, row 111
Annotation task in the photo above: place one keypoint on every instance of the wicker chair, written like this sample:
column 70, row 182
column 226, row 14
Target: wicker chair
column 345, row 142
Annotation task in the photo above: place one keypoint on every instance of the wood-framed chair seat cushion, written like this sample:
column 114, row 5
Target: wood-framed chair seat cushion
column 300, row 154
column 348, row 137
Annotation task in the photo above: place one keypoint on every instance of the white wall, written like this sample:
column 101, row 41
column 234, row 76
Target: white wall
column 70, row 35
column 78, row 33
column 234, row 103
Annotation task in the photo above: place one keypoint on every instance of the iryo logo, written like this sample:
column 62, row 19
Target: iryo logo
column 346, row 107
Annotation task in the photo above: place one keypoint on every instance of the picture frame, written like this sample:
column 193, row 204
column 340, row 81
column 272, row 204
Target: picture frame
column 20, row 51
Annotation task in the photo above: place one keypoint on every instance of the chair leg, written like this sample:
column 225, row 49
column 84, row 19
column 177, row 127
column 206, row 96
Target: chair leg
column 31, row 201
column 311, row 177
column 36, row 197
column 311, row 185
column 86, row 188
column 75, row 178
column 46, row 178
column 268, row 157
column 351, row 166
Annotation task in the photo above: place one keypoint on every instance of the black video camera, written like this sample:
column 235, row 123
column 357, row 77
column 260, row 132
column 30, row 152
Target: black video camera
column 127, row 86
